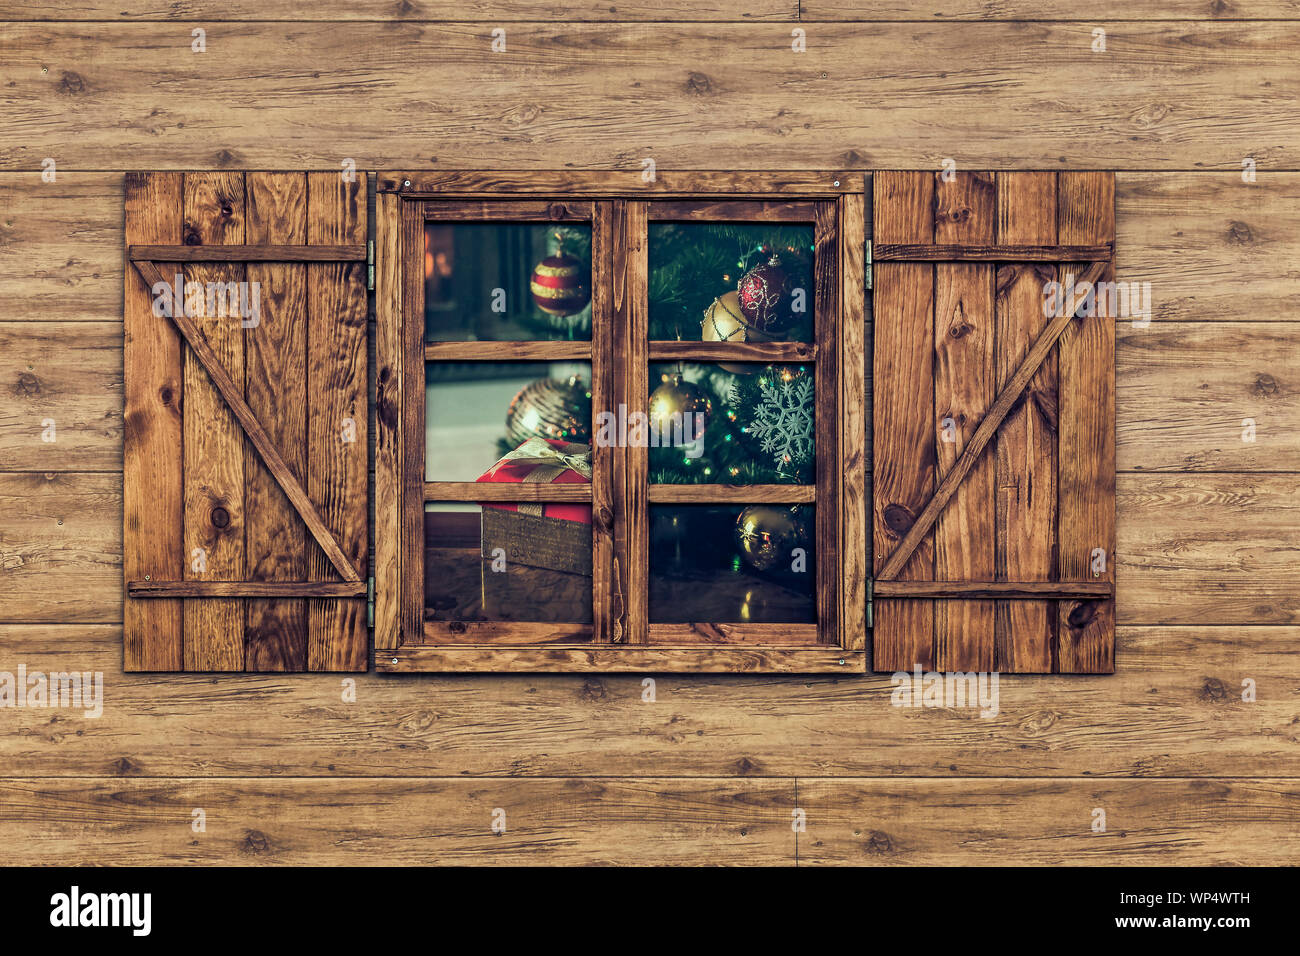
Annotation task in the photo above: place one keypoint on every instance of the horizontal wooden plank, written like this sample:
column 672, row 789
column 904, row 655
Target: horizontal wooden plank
column 991, row 590
column 61, row 547
column 1173, row 707
column 770, row 635
column 238, row 589
column 1207, row 396
column 326, row 822
column 1198, row 238
column 61, row 247
column 730, row 210
column 670, row 351
column 987, row 252
column 732, row 494
column 505, row 491
column 1105, row 11
column 251, row 253
column 728, row 180
column 731, row 659
column 1192, row 549
column 62, row 386
column 1049, row 822
column 1207, row 549
column 495, row 11
column 507, row 351
column 506, row 11
column 716, row 96
column 466, row 639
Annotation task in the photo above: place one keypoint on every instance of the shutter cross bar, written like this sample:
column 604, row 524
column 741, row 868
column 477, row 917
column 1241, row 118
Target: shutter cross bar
column 997, row 412
column 293, row 490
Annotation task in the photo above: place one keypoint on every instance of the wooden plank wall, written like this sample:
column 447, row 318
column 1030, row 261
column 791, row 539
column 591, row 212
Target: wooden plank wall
column 1207, row 524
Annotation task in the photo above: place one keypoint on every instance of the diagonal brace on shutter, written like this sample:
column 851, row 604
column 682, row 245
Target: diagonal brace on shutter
column 997, row 413
column 233, row 397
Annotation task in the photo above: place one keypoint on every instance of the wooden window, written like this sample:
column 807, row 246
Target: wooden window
column 475, row 574
column 245, row 505
column 994, row 441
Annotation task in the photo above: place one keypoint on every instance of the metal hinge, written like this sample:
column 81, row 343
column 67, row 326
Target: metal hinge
column 370, row 264
column 870, row 615
column 868, row 264
column 370, row 603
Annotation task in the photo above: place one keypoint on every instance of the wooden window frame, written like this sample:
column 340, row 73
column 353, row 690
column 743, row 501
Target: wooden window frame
column 620, row 207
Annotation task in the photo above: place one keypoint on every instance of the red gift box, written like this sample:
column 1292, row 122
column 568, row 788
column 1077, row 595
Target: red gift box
column 545, row 461
column 550, row 536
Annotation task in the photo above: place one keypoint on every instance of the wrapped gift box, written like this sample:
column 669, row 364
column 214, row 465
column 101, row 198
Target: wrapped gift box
column 554, row 536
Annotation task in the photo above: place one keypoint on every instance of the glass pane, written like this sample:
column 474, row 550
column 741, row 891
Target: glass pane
column 737, row 564
column 507, row 562
column 492, row 281
column 476, row 413
column 731, row 282
column 757, row 423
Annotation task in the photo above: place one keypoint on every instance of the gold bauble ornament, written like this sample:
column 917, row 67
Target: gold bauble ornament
column 765, row 535
column 550, row 408
column 678, row 401
column 724, row 322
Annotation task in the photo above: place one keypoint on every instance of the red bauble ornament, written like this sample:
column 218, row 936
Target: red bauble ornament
column 561, row 285
column 765, row 293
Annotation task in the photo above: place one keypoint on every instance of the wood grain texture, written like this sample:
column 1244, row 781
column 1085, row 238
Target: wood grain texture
column 1199, row 238
column 1108, row 10
column 338, row 416
column 61, row 559
column 903, row 437
column 855, row 412
column 1048, row 822
column 154, row 378
column 635, row 529
column 275, row 386
column 709, row 96
column 827, row 419
column 384, row 821
column 1172, row 708
column 387, row 416
column 546, row 655
column 1024, row 455
column 214, row 547
column 1238, row 535
column 1085, row 522
column 965, row 211
column 1184, row 392
column 74, row 379
column 498, row 11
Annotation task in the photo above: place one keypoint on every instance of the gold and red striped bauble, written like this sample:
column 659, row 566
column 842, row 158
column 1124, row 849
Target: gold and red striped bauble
column 561, row 285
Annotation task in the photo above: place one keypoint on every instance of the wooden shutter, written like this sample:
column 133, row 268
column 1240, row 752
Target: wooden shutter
column 245, row 498
column 994, row 426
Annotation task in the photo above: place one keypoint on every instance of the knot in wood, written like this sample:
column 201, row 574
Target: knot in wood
column 898, row 519
column 220, row 517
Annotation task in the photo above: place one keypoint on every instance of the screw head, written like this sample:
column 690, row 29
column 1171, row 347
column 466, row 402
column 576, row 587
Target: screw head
column 394, row 660
column 146, row 577
column 841, row 660
column 406, row 182
column 837, row 182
